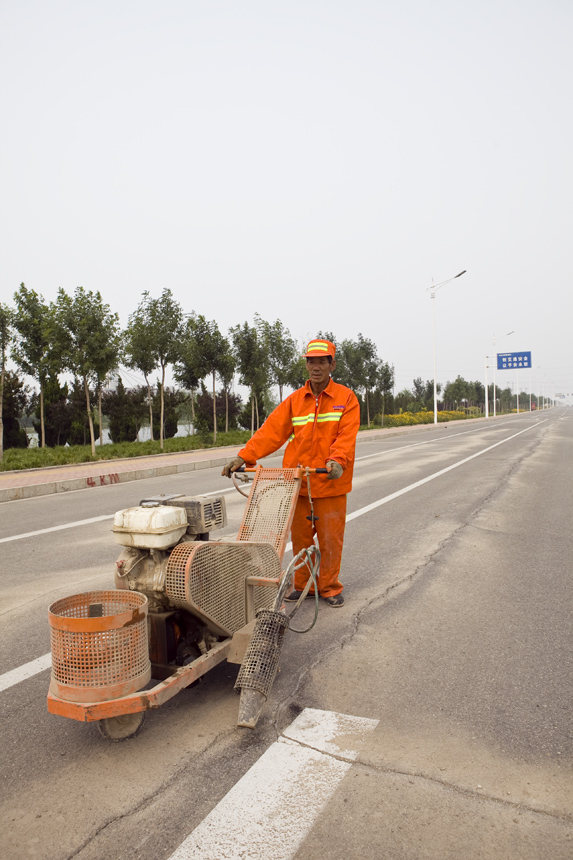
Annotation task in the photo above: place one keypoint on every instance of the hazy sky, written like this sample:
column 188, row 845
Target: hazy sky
column 318, row 162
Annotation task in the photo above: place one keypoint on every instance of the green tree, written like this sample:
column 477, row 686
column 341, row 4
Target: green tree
column 160, row 323
column 5, row 339
column 106, row 362
column 227, row 367
column 227, row 413
column 298, row 375
column 126, row 411
column 57, row 412
column 15, row 401
column 369, row 357
column 136, row 353
column 211, row 346
column 85, row 328
column 80, row 425
column 282, row 351
column 190, row 367
column 457, row 391
column 35, row 351
column 252, row 364
column 384, row 384
column 172, row 400
column 403, row 399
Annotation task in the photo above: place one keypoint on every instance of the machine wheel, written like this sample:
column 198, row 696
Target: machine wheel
column 121, row 728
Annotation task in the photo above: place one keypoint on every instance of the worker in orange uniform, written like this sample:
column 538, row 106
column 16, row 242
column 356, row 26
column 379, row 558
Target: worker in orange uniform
column 320, row 422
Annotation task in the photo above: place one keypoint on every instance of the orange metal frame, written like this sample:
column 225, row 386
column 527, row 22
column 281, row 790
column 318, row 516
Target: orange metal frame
column 182, row 677
column 298, row 473
column 144, row 700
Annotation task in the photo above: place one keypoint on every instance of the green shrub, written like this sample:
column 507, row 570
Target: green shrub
column 36, row 458
column 406, row 419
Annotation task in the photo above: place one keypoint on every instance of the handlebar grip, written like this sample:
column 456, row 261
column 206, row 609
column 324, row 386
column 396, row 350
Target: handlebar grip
column 321, row 471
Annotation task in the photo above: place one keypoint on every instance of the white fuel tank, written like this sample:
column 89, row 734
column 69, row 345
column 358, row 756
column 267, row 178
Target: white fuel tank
column 150, row 528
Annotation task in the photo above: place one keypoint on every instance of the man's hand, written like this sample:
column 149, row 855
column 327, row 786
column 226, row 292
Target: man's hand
column 334, row 470
column 232, row 466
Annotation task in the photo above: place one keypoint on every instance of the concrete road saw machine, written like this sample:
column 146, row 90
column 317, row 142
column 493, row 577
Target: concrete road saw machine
column 182, row 603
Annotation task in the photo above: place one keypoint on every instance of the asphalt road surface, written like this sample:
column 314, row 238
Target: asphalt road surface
column 454, row 644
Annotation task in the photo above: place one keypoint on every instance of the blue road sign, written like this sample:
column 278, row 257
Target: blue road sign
column 512, row 360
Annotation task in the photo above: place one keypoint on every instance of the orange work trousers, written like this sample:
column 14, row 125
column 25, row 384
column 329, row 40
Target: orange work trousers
column 329, row 528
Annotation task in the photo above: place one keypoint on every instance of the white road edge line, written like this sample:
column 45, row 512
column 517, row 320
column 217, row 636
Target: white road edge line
column 428, row 441
column 16, row 677
column 28, row 670
column 272, row 808
column 441, row 472
column 87, row 522
column 58, row 528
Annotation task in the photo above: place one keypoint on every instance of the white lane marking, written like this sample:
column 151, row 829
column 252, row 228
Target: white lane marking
column 270, row 811
column 28, row 670
column 85, row 522
column 428, row 442
column 58, row 528
column 365, row 510
column 229, row 490
column 423, row 481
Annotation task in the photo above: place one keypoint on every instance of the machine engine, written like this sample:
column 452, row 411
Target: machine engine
column 149, row 533
column 196, row 588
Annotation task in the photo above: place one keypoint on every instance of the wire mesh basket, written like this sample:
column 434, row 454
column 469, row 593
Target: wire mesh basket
column 99, row 645
column 261, row 660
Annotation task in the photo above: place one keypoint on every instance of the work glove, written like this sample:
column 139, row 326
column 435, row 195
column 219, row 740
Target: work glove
column 335, row 470
column 232, row 466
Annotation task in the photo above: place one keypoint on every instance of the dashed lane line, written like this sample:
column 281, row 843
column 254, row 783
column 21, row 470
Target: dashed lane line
column 272, row 808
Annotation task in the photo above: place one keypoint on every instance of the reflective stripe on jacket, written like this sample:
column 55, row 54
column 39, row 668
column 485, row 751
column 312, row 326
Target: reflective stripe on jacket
column 317, row 429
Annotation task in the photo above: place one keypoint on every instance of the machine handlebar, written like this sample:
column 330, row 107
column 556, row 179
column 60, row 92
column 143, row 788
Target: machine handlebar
column 305, row 470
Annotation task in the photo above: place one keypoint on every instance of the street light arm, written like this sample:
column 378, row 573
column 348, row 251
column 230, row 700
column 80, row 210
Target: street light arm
column 435, row 287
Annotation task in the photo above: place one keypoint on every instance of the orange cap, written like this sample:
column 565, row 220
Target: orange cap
column 318, row 347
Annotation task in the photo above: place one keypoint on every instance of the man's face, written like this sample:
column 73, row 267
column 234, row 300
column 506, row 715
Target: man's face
column 319, row 369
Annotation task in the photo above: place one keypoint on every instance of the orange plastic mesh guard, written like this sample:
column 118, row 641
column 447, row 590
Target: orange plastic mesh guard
column 99, row 645
column 270, row 507
column 208, row 579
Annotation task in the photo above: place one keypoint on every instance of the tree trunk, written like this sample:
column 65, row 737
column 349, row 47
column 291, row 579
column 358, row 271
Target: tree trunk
column 252, row 413
column 214, row 412
column 280, row 392
column 383, row 405
column 100, row 421
column 90, row 419
column 257, row 408
column 226, row 410
column 1, row 419
column 162, row 407
column 193, row 410
column 367, row 409
column 42, row 422
column 149, row 400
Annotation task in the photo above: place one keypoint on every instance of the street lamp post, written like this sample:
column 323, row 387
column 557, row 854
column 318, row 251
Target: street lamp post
column 432, row 290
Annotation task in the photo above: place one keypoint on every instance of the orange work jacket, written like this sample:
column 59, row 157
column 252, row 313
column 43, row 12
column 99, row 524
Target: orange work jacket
column 317, row 429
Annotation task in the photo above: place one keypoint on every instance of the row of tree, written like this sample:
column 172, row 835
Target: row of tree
column 456, row 395
column 80, row 335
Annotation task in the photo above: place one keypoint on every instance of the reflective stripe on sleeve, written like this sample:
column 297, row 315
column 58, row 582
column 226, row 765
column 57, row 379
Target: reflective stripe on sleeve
column 323, row 418
column 297, row 420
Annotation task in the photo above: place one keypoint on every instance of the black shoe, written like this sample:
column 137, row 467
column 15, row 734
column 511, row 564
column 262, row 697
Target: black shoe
column 335, row 600
column 295, row 595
